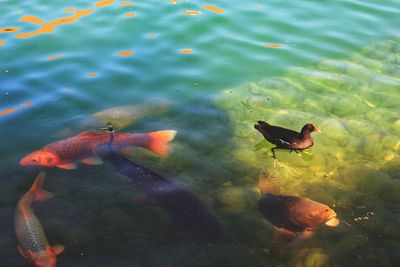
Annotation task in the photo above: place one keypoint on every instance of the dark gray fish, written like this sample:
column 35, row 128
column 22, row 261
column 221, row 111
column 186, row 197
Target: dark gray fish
column 187, row 211
column 297, row 215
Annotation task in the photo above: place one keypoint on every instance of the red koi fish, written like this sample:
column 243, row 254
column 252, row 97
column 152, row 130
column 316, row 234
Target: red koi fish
column 33, row 242
column 66, row 152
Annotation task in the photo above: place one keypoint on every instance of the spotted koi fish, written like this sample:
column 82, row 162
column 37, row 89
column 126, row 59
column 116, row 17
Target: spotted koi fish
column 33, row 243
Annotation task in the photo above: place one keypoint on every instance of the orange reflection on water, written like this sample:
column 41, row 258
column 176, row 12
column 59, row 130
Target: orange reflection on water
column 7, row 111
column 126, row 3
column 130, row 15
column 31, row 19
column 125, row 53
column 54, row 56
column 9, row 29
column 151, row 35
column 186, row 51
column 192, row 12
column 104, row 3
column 69, row 9
column 1, row 42
column 214, row 9
column 50, row 26
column 173, row 1
column 92, row 75
column 26, row 104
column 274, row 45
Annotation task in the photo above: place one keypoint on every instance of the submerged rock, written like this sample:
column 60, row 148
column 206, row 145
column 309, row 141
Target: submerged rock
column 238, row 198
column 316, row 257
column 354, row 160
column 333, row 129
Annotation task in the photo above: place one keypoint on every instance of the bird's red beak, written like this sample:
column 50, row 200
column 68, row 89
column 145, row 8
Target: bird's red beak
column 316, row 129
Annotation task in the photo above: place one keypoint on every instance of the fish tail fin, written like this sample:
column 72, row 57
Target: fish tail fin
column 268, row 184
column 36, row 189
column 283, row 237
column 57, row 249
column 159, row 141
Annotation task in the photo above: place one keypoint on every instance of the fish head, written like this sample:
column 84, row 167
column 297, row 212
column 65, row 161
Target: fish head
column 310, row 214
column 40, row 158
column 331, row 220
column 45, row 261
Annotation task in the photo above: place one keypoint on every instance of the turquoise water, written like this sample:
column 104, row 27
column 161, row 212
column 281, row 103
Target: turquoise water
column 335, row 64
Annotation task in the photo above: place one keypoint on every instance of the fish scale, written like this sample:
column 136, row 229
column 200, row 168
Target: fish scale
column 33, row 243
column 81, row 146
column 30, row 234
column 277, row 209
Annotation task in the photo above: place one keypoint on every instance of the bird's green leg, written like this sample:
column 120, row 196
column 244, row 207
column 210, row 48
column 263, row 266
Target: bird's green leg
column 273, row 152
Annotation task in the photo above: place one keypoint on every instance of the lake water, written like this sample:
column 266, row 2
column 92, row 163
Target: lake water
column 210, row 74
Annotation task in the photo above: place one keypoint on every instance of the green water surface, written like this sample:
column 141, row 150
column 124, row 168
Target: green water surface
column 335, row 64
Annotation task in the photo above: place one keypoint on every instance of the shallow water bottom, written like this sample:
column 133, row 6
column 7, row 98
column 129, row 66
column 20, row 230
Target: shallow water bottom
column 353, row 167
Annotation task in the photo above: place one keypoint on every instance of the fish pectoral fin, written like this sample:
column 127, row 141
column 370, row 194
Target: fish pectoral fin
column 67, row 166
column 301, row 239
column 283, row 236
column 57, row 249
column 43, row 195
column 127, row 150
column 22, row 252
column 92, row 161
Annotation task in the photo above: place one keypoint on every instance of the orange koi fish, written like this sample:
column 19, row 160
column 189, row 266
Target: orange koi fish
column 33, row 242
column 66, row 152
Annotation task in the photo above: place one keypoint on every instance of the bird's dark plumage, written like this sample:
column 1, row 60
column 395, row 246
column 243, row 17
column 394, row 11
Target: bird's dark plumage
column 286, row 139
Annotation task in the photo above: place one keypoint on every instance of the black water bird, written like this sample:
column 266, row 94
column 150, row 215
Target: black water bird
column 287, row 139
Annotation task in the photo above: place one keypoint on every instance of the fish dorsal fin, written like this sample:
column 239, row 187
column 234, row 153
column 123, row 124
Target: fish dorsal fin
column 57, row 249
column 22, row 252
column 268, row 184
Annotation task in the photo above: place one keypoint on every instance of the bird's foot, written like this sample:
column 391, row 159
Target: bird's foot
column 279, row 164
